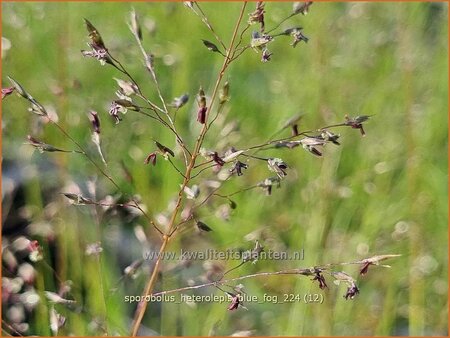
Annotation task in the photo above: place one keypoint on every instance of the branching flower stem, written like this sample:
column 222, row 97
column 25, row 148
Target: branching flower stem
column 303, row 133
column 142, row 306
column 203, row 163
column 204, row 169
column 153, row 106
column 208, row 24
column 232, row 269
column 123, row 70
column 263, row 146
column 241, row 36
column 312, row 271
column 306, row 272
column 172, row 126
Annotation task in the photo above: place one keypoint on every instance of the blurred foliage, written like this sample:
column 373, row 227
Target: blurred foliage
column 384, row 193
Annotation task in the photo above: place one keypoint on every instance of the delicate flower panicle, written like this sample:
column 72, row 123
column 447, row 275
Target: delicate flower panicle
column 185, row 211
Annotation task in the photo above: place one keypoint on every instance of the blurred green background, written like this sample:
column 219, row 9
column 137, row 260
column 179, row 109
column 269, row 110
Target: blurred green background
column 384, row 193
